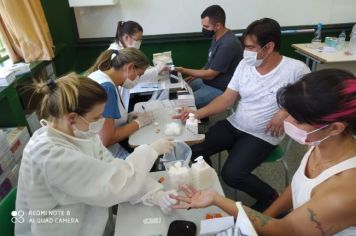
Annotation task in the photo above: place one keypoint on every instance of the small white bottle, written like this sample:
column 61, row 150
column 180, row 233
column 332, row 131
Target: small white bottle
column 191, row 127
column 341, row 41
column 202, row 174
column 352, row 43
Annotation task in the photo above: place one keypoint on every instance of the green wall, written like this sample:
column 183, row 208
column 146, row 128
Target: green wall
column 188, row 50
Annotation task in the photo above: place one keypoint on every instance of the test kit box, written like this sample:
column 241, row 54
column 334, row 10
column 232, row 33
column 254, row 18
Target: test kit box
column 6, row 77
column 9, row 180
column 19, row 68
column 7, row 162
column 186, row 100
column 17, row 139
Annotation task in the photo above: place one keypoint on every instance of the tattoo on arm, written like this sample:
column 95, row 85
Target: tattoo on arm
column 257, row 217
column 312, row 218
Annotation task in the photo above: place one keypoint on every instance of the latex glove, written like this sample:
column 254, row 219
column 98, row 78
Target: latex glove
column 143, row 119
column 160, row 66
column 162, row 146
column 132, row 115
column 164, row 201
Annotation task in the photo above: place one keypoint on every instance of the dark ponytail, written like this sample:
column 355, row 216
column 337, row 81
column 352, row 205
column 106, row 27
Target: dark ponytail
column 322, row 97
column 126, row 27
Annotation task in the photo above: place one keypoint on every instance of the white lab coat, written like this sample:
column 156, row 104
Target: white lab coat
column 80, row 179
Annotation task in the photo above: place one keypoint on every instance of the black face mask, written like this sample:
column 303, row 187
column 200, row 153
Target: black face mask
column 207, row 33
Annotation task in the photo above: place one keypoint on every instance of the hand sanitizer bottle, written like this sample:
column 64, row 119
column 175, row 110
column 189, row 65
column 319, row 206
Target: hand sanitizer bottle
column 202, row 174
column 341, row 41
column 191, row 126
column 352, row 44
column 316, row 41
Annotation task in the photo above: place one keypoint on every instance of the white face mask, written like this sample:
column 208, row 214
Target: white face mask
column 250, row 58
column 300, row 135
column 135, row 44
column 93, row 128
column 129, row 84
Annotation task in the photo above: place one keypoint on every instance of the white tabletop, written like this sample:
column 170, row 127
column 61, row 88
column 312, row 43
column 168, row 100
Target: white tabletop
column 162, row 115
column 324, row 57
column 130, row 218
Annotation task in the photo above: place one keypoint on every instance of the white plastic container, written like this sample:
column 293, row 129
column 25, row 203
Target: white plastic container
column 191, row 126
column 202, row 174
column 178, row 173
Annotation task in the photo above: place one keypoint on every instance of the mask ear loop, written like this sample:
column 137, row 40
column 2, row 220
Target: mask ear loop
column 318, row 129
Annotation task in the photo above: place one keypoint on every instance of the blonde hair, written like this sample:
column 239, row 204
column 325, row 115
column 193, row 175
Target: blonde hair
column 127, row 55
column 70, row 93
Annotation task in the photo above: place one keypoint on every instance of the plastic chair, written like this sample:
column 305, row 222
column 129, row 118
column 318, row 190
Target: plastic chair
column 7, row 205
column 279, row 155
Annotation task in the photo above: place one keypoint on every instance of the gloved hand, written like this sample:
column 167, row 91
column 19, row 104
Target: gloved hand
column 132, row 115
column 160, row 66
column 162, row 199
column 162, row 146
column 143, row 119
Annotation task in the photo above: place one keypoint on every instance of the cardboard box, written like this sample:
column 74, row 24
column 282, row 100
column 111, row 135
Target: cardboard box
column 7, row 162
column 17, row 139
column 5, row 187
column 4, row 145
column 9, row 180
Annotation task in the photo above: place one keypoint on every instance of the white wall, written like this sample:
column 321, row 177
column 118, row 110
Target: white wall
column 183, row 16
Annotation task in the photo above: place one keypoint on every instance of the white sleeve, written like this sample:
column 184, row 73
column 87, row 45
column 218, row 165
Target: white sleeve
column 72, row 175
column 301, row 70
column 150, row 186
column 151, row 74
column 234, row 82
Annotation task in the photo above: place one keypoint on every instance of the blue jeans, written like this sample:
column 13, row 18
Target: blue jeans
column 203, row 94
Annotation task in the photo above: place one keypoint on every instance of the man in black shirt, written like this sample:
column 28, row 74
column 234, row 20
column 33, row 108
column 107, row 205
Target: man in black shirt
column 224, row 55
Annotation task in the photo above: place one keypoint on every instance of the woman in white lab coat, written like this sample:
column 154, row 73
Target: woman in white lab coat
column 129, row 35
column 113, row 69
column 68, row 179
column 322, row 196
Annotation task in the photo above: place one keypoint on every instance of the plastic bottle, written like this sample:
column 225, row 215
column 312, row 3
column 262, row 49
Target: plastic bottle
column 191, row 126
column 202, row 174
column 352, row 45
column 341, row 41
column 316, row 41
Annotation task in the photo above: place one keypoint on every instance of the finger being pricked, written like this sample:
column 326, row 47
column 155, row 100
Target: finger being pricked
column 181, row 198
column 188, row 189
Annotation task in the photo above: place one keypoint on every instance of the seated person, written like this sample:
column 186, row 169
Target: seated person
column 225, row 54
column 252, row 132
column 112, row 69
column 67, row 174
column 129, row 35
column 322, row 108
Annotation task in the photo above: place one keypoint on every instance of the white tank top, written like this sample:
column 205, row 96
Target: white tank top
column 302, row 186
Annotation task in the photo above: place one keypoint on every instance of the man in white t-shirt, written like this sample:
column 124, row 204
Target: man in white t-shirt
column 252, row 132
